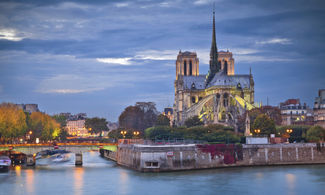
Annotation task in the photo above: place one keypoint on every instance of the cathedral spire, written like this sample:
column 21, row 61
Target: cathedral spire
column 213, row 53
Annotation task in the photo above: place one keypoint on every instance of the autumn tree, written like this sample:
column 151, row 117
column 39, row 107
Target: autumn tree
column 162, row 120
column 265, row 124
column 12, row 121
column 43, row 126
column 96, row 125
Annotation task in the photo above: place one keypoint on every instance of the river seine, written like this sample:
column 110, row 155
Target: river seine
column 100, row 176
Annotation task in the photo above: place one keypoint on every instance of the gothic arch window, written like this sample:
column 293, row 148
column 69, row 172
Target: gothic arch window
column 225, row 67
column 191, row 67
column 193, row 99
column 185, row 68
column 225, row 99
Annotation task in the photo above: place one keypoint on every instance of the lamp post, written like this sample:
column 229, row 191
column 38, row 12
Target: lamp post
column 257, row 131
column 123, row 133
column 136, row 133
column 289, row 131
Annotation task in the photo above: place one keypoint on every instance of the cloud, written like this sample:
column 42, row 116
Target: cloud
column 121, row 61
column 203, row 2
column 283, row 41
column 10, row 35
column 156, row 55
column 71, row 84
column 255, row 58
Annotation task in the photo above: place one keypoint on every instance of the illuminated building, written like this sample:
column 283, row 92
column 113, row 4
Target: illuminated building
column 294, row 113
column 217, row 97
column 319, row 109
column 76, row 128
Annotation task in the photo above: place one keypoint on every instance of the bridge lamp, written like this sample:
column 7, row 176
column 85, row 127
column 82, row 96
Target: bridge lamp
column 30, row 132
column 136, row 133
column 123, row 133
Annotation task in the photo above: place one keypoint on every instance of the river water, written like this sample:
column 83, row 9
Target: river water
column 100, row 176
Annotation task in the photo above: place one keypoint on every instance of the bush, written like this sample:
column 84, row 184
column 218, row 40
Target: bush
column 316, row 134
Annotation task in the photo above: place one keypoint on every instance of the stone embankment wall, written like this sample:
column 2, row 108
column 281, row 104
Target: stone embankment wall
column 191, row 156
column 111, row 155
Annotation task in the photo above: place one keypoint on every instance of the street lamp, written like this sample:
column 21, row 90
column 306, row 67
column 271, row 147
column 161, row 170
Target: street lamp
column 136, row 133
column 257, row 131
column 289, row 131
column 30, row 132
column 123, row 133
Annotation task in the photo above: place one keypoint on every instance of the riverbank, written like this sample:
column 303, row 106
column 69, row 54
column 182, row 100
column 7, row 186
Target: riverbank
column 158, row 158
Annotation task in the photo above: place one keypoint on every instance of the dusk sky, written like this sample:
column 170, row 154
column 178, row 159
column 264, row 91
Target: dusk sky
column 99, row 57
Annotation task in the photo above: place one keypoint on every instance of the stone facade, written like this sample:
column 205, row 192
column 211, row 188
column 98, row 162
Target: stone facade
column 77, row 128
column 149, row 158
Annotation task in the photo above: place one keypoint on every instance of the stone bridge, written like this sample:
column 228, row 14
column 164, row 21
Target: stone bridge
column 78, row 148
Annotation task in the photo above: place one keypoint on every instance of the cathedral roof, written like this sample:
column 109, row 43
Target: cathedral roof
column 198, row 81
column 221, row 79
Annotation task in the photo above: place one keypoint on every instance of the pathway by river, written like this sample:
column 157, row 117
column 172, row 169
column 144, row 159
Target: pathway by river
column 99, row 176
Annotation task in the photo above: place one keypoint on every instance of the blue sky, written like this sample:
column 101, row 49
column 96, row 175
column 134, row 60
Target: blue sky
column 99, row 57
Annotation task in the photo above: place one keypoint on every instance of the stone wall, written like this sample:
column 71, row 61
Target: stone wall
column 191, row 156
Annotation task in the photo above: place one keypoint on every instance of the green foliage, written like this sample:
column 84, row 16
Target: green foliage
column 96, row 125
column 116, row 134
column 316, row 134
column 211, row 133
column 298, row 132
column 43, row 126
column 12, row 121
column 193, row 121
column 162, row 120
column 61, row 119
column 265, row 124
column 138, row 117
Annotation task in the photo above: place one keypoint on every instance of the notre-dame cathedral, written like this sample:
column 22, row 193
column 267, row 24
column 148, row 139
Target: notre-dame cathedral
column 217, row 97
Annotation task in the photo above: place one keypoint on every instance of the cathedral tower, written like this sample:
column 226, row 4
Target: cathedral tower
column 187, row 64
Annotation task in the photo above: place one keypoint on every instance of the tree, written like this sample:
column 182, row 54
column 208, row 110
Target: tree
column 162, row 120
column 138, row 117
column 265, row 124
column 43, row 126
column 12, row 121
column 193, row 121
column 316, row 134
column 96, row 125
column 61, row 119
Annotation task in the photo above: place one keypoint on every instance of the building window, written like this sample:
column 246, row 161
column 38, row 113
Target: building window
column 191, row 67
column 193, row 99
column 193, row 86
column 185, row 68
column 152, row 164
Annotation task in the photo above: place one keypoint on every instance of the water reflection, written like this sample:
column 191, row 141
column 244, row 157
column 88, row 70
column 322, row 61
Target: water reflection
column 29, row 181
column 123, row 182
column 291, row 181
column 78, row 180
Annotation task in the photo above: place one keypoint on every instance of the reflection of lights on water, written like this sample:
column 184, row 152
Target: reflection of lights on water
column 124, row 177
column 30, row 181
column 259, row 175
column 78, row 180
column 291, row 180
column 18, row 170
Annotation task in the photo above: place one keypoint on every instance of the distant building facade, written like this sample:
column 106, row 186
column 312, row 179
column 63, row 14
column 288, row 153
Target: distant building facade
column 319, row 108
column 168, row 112
column 30, row 108
column 295, row 113
column 77, row 128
